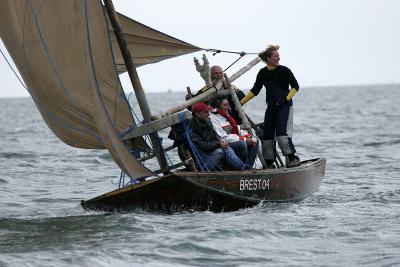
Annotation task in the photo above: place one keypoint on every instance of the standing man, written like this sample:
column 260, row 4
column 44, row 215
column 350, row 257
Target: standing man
column 281, row 86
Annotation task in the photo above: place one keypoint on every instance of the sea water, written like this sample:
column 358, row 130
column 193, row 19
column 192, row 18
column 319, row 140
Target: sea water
column 354, row 218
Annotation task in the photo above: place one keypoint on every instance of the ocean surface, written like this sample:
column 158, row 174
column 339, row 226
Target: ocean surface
column 353, row 220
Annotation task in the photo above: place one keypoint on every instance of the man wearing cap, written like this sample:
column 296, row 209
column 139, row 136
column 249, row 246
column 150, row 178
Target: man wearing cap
column 205, row 138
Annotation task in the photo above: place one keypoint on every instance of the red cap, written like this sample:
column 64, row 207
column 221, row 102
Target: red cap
column 199, row 107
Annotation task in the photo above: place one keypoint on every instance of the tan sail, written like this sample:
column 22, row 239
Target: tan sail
column 148, row 45
column 97, row 34
column 71, row 77
column 48, row 56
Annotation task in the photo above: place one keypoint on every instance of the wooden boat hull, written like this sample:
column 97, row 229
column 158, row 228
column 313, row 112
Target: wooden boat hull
column 215, row 191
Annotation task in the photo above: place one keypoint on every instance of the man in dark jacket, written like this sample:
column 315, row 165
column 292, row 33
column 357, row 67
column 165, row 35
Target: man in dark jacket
column 205, row 138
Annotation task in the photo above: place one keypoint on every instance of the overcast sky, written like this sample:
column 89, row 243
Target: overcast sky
column 329, row 42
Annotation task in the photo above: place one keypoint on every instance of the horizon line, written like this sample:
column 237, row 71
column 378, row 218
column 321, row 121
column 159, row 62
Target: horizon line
column 305, row 87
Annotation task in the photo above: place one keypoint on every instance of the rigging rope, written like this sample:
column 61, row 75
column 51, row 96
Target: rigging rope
column 15, row 73
column 121, row 179
column 233, row 63
column 168, row 158
column 217, row 51
column 196, row 153
column 132, row 181
column 241, row 55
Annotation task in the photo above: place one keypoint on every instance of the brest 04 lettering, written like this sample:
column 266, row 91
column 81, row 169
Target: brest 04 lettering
column 254, row 184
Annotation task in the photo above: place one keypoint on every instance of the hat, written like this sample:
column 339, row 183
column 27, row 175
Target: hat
column 199, row 107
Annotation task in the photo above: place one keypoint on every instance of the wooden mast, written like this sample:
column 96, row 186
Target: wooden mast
column 137, row 86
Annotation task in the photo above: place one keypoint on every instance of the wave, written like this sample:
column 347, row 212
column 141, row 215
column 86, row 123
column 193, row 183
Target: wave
column 17, row 155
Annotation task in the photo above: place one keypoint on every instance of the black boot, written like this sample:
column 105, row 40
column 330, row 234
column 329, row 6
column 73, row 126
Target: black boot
column 270, row 164
column 292, row 161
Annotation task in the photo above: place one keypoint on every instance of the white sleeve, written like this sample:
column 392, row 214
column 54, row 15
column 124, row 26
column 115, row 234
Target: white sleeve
column 231, row 137
column 221, row 132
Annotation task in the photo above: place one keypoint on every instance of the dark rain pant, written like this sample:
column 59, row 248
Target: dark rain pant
column 276, row 124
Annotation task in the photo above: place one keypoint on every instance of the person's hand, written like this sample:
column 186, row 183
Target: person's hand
column 187, row 97
column 225, row 84
column 290, row 95
column 224, row 144
column 250, row 141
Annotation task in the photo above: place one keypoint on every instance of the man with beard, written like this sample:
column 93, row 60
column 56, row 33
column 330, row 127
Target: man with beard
column 216, row 76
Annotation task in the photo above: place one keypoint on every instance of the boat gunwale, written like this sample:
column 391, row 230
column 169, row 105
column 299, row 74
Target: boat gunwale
column 235, row 174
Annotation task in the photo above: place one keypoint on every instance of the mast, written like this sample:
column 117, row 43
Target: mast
column 137, row 86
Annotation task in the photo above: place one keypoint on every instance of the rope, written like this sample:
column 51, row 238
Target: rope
column 197, row 153
column 121, row 179
column 133, row 111
column 15, row 73
column 241, row 54
column 233, row 63
column 132, row 181
column 217, row 51
column 140, row 122
column 134, row 115
column 169, row 159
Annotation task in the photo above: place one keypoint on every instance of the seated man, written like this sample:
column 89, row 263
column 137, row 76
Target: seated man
column 243, row 143
column 205, row 138
column 216, row 76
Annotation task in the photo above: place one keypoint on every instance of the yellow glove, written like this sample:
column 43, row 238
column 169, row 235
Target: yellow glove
column 291, row 94
column 247, row 98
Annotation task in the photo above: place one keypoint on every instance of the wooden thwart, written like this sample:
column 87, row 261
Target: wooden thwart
column 150, row 156
column 156, row 125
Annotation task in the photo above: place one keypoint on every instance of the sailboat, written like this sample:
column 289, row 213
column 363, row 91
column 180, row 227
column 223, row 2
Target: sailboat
column 70, row 55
